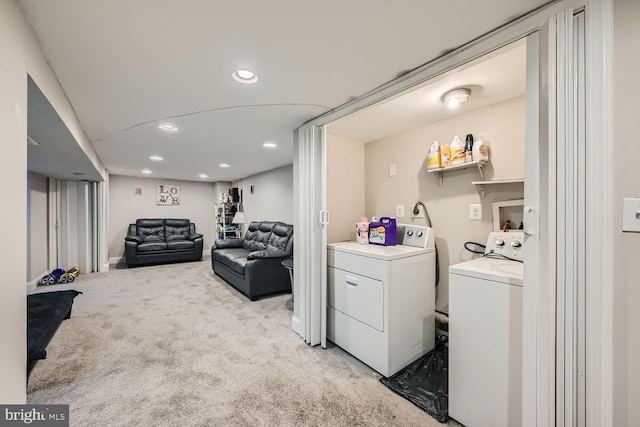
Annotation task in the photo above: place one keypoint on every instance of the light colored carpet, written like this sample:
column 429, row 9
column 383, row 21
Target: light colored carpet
column 174, row 345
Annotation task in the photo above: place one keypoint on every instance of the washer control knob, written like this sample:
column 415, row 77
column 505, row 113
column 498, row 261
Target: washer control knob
column 419, row 234
column 500, row 242
column 409, row 233
column 516, row 244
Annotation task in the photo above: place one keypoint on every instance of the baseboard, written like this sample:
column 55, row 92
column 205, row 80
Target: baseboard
column 116, row 259
column 296, row 325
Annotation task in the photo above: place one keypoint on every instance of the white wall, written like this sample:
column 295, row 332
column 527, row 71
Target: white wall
column 626, row 117
column 198, row 203
column 345, row 186
column 221, row 187
column 16, row 45
column 21, row 56
column 272, row 199
column 502, row 124
column 38, row 254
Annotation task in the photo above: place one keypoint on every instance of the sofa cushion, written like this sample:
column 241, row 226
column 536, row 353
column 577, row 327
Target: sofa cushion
column 151, row 234
column 150, row 222
column 280, row 236
column 176, row 233
column 238, row 265
column 150, row 230
column 152, row 246
column 177, row 222
column 251, row 242
column 224, row 256
column 181, row 244
column 264, row 231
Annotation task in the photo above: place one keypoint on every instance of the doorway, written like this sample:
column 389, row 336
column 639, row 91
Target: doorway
column 381, row 152
column 551, row 396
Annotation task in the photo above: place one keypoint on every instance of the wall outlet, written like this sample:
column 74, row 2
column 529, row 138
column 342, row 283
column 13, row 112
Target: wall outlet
column 420, row 213
column 475, row 211
column 399, row 211
column 631, row 214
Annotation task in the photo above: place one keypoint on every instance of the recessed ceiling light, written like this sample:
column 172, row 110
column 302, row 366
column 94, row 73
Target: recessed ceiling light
column 269, row 145
column 224, row 165
column 245, row 76
column 203, row 175
column 168, row 127
column 146, row 171
column 156, row 158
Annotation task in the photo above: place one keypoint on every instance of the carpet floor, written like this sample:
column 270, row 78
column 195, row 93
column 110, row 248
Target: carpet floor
column 174, row 345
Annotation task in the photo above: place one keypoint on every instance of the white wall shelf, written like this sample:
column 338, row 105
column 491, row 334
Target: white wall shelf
column 476, row 163
column 481, row 184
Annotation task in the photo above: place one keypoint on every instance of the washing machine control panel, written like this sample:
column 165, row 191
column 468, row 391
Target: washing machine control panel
column 415, row 236
column 508, row 244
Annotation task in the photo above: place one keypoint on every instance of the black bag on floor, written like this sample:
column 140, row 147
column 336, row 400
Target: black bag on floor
column 425, row 382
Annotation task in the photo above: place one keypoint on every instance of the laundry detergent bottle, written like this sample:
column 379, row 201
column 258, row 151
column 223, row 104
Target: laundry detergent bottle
column 362, row 231
column 433, row 158
column 457, row 151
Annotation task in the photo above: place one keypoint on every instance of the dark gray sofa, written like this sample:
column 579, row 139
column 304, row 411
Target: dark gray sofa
column 253, row 264
column 161, row 241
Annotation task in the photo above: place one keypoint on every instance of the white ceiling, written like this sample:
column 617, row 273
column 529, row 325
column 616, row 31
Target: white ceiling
column 127, row 65
column 53, row 151
column 493, row 78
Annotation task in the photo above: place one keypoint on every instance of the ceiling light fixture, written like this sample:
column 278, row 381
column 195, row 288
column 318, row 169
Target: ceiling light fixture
column 203, row 175
column 168, row 127
column 224, row 165
column 269, row 145
column 455, row 97
column 156, row 158
column 245, row 76
column 146, row 171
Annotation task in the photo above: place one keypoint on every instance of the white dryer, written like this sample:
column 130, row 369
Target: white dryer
column 381, row 299
column 485, row 335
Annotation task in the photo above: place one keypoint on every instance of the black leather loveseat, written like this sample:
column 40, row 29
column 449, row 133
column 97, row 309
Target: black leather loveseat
column 253, row 265
column 160, row 241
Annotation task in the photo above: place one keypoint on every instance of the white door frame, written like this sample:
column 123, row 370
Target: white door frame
column 597, row 257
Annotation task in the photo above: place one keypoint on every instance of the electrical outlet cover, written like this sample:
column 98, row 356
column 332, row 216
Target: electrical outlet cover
column 475, row 212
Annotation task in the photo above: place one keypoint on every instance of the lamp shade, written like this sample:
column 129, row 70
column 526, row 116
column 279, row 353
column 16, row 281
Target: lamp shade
column 238, row 218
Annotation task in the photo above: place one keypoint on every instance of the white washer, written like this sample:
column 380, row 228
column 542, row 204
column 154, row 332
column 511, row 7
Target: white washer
column 381, row 299
column 485, row 336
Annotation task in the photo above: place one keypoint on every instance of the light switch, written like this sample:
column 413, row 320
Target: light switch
column 631, row 214
column 392, row 169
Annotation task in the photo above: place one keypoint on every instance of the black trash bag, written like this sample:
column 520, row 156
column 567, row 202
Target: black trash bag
column 425, row 382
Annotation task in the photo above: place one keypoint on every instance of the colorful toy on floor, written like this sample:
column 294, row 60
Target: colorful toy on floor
column 70, row 275
column 52, row 278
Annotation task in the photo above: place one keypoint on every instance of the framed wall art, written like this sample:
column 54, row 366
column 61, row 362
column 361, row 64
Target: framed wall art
column 168, row 195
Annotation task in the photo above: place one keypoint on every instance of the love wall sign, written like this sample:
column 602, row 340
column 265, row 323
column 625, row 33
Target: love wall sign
column 168, row 195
